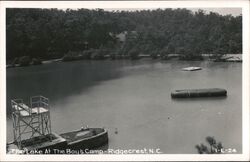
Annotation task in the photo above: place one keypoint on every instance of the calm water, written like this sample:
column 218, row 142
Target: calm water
column 134, row 97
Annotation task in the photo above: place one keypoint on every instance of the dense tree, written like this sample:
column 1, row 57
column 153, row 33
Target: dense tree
column 52, row 33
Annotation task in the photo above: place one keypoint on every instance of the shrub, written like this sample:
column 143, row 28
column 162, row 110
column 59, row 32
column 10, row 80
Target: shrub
column 24, row 61
column 73, row 56
column 191, row 57
column 97, row 55
column 67, row 58
column 36, row 61
column 154, row 54
column 133, row 54
column 15, row 61
column 163, row 54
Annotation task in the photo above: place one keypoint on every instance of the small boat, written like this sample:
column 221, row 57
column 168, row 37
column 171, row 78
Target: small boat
column 191, row 68
column 190, row 93
column 87, row 138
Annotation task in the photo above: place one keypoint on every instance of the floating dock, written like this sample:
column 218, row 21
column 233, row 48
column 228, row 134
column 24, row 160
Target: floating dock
column 191, row 68
column 191, row 93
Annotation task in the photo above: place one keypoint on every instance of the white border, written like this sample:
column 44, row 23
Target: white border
column 244, row 4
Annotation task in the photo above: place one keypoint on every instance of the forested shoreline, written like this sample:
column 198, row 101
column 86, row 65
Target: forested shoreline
column 34, row 35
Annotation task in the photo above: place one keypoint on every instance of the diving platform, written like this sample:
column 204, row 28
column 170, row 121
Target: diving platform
column 32, row 131
column 30, row 120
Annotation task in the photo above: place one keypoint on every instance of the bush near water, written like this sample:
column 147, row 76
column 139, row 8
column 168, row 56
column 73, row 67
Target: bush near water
column 84, row 34
column 25, row 61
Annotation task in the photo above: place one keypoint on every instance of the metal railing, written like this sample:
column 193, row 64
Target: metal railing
column 39, row 102
column 17, row 105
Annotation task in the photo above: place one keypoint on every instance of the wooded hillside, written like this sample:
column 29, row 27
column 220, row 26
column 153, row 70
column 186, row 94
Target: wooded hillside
column 52, row 33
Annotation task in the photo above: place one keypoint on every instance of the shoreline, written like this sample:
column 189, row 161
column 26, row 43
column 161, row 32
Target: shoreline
column 204, row 57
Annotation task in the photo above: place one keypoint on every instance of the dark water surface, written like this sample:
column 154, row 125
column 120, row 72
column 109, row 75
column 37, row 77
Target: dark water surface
column 134, row 97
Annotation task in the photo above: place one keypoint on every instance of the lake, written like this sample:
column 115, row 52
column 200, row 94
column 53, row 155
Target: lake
column 134, row 97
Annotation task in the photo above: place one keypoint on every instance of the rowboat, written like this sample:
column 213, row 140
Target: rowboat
column 86, row 138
